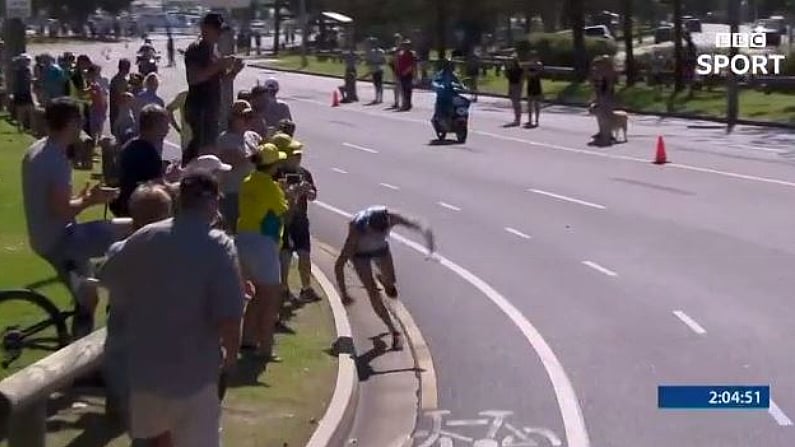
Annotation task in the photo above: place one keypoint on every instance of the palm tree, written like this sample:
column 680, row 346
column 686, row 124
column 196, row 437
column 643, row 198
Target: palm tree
column 629, row 60
column 577, row 14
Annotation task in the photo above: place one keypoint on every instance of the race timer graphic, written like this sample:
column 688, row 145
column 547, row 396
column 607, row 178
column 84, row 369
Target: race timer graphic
column 713, row 397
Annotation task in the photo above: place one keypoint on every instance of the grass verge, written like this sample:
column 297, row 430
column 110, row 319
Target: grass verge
column 754, row 105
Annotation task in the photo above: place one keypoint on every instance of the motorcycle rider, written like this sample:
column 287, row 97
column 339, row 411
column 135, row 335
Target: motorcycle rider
column 446, row 84
column 147, row 55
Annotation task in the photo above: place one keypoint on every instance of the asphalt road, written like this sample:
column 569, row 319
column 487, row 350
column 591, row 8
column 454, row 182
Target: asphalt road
column 574, row 280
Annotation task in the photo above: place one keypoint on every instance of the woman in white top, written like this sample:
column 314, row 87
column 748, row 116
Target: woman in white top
column 235, row 146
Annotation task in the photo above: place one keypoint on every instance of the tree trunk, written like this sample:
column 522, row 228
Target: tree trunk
column 732, row 100
column 577, row 24
column 277, row 25
column 441, row 28
column 629, row 60
column 678, row 56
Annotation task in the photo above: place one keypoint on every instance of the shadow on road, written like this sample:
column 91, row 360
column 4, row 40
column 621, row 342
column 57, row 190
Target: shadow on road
column 364, row 362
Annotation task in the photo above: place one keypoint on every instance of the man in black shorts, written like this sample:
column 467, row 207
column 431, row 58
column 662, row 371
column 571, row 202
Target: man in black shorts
column 205, row 70
column 296, row 230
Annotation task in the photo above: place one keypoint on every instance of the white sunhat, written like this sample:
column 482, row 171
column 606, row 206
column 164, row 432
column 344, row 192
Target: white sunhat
column 208, row 163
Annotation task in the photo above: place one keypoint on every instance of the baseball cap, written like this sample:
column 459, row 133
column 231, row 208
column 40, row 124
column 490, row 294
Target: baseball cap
column 241, row 107
column 281, row 141
column 208, row 163
column 295, row 148
column 213, row 19
column 269, row 154
column 272, row 84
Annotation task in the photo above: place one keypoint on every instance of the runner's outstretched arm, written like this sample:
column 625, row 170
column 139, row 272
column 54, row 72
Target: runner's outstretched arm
column 418, row 226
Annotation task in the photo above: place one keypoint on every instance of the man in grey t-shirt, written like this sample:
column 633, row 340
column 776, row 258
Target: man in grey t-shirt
column 184, row 302
column 51, row 209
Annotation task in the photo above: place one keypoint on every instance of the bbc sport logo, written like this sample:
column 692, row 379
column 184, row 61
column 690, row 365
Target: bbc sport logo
column 740, row 64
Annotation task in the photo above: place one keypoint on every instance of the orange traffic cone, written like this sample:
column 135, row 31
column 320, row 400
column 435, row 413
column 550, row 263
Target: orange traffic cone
column 335, row 99
column 660, row 158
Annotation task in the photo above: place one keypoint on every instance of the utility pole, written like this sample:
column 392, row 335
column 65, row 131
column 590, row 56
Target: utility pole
column 732, row 93
column 304, row 32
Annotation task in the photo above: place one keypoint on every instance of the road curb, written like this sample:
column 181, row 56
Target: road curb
column 336, row 424
column 685, row 116
column 423, row 363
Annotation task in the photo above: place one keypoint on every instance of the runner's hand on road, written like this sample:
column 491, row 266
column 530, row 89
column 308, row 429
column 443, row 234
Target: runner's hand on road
column 430, row 241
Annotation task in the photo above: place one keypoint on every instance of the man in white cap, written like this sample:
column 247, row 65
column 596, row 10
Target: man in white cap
column 208, row 163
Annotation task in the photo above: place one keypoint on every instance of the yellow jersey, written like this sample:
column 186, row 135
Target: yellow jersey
column 262, row 206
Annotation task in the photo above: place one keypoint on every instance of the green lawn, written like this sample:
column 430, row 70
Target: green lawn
column 754, row 105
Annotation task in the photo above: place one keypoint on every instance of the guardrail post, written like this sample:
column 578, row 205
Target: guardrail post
column 29, row 426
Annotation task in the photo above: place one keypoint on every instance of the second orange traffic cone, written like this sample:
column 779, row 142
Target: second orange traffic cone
column 660, row 157
column 335, row 99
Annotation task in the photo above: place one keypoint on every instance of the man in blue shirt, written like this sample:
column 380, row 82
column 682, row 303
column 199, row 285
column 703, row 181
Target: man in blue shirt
column 140, row 160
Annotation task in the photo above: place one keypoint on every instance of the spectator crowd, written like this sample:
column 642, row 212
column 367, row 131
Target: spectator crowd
column 197, row 258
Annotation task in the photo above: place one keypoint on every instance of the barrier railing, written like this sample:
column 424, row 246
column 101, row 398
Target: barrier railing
column 24, row 395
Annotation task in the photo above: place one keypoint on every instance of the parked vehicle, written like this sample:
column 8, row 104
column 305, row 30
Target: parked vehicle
column 663, row 34
column 598, row 31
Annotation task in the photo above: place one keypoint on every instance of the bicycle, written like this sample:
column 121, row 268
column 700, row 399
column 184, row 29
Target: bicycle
column 518, row 437
column 48, row 333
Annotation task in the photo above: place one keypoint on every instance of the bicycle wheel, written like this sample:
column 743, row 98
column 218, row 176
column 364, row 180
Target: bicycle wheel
column 31, row 327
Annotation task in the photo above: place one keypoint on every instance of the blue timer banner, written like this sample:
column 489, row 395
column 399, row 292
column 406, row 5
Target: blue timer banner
column 701, row 397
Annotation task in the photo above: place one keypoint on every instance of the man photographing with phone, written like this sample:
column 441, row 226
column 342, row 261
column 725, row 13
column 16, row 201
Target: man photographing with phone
column 296, row 238
column 205, row 70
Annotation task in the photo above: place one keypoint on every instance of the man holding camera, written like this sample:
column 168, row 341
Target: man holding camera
column 296, row 238
column 205, row 72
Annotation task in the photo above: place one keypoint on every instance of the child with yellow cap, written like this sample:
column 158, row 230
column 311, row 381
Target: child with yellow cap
column 296, row 238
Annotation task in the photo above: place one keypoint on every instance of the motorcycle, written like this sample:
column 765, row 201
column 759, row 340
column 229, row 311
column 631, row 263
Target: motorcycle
column 148, row 65
column 453, row 120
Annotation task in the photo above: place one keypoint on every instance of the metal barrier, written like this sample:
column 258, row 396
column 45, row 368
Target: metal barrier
column 24, row 395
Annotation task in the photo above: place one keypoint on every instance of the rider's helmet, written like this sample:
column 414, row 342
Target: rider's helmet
column 445, row 65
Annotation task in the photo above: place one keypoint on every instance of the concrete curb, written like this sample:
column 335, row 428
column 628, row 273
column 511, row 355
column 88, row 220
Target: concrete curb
column 744, row 122
column 336, row 424
column 428, row 393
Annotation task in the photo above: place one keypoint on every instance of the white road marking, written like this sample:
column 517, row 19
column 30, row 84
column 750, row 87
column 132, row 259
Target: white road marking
column 691, row 323
column 339, row 171
column 516, row 232
column 568, row 199
column 778, row 415
column 467, row 423
column 599, row 268
column 388, row 186
column 448, row 206
column 575, row 150
column 570, row 410
column 757, row 148
column 360, row 148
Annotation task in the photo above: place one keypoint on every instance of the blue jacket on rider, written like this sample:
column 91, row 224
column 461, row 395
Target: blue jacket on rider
column 445, row 83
